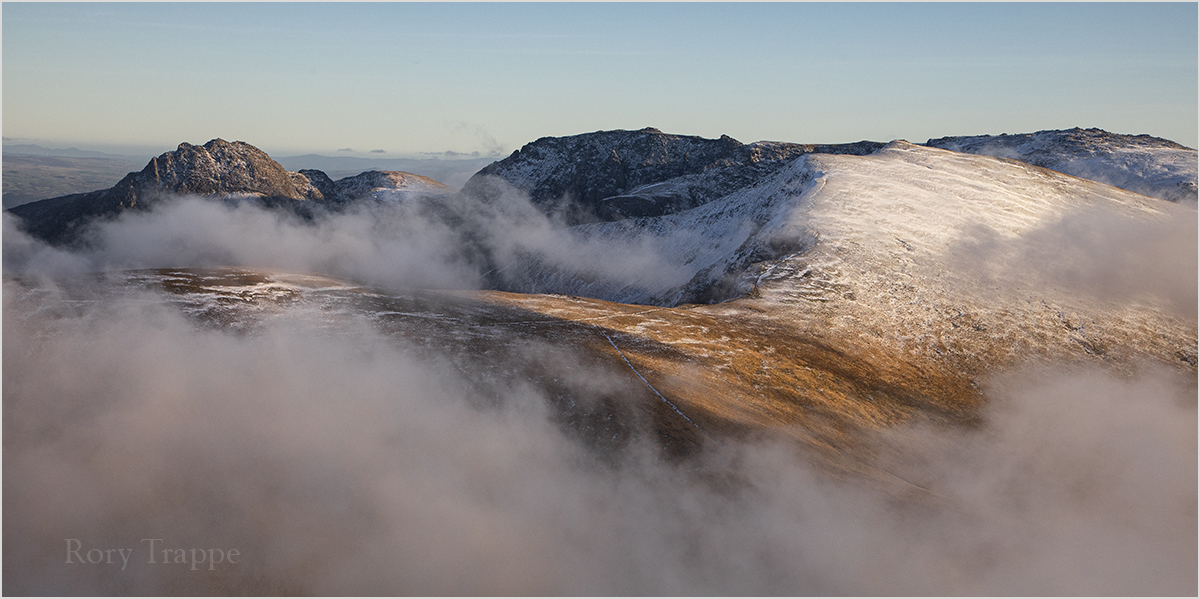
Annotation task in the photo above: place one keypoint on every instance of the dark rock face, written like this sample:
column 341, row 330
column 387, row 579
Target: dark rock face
column 613, row 175
column 321, row 181
column 234, row 171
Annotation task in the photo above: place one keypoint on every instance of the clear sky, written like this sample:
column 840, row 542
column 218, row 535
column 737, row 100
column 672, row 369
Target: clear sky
column 408, row 78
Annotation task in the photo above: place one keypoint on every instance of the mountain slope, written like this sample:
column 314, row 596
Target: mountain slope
column 725, row 247
column 1148, row 165
column 906, row 280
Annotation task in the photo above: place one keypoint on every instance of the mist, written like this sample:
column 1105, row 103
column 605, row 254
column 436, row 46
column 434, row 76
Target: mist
column 336, row 459
column 443, row 241
column 341, row 461
column 1097, row 253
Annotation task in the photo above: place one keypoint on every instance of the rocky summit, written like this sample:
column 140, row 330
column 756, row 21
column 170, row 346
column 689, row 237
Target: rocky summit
column 233, row 171
column 216, row 168
column 612, row 175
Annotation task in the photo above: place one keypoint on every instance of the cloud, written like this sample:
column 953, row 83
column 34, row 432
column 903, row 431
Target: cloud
column 410, row 241
column 1097, row 253
column 478, row 138
column 343, row 461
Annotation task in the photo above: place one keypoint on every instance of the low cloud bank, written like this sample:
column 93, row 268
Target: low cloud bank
column 439, row 241
column 339, row 461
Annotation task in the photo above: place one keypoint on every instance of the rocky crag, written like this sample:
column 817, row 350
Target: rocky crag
column 232, row 171
column 613, row 175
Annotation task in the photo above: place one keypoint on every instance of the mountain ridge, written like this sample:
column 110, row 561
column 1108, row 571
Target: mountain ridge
column 604, row 176
column 611, row 175
column 1148, row 165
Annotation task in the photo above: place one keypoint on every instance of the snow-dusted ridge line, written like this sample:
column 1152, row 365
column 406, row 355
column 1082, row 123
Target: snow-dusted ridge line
column 919, row 199
column 1148, row 165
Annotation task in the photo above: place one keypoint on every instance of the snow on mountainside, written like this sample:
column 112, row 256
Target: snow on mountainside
column 1148, row 165
column 922, row 269
column 942, row 253
column 787, row 236
column 610, row 175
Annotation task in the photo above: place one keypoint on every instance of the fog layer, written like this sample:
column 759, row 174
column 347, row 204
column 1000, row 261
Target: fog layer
column 338, row 461
column 439, row 241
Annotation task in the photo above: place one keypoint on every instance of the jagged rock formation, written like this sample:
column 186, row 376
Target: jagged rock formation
column 216, row 168
column 612, row 175
column 1147, row 165
column 234, row 171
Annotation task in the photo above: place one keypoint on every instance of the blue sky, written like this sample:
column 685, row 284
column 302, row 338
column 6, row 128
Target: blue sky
column 408, row 78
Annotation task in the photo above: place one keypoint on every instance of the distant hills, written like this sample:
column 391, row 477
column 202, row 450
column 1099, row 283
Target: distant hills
column 453, row 172
column 36, row 150
column 32, row 177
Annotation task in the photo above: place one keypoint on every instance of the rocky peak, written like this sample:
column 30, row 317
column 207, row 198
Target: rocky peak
column 611, row 175
column 215, row 168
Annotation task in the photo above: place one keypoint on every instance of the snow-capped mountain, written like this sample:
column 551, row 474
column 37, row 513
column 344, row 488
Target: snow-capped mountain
column 903, row 201
column 1148, row 165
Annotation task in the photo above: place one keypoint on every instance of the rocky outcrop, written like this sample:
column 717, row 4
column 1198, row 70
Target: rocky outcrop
column 216, row 168
column 613, row 175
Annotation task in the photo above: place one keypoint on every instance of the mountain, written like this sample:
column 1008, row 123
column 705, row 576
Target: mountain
column 611, row 175
column 234, row 171
column 921, row 372
column 736, row 244
column 1148, row 165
